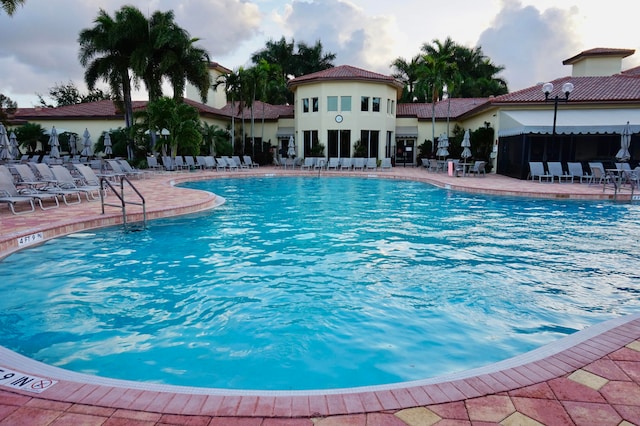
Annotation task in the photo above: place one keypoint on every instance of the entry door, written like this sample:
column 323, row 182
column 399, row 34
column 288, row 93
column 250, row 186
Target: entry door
column 406, row 152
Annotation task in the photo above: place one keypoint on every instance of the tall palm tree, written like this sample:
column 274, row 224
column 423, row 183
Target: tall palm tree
column 190, row 64
column 10, row 6
column 106, row 51
column 231, row 84
column 278, row 52
column 310, row 59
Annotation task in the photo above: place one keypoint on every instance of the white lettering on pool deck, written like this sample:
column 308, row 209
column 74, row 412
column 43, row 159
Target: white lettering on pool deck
column 15, row 380
column 28, row 240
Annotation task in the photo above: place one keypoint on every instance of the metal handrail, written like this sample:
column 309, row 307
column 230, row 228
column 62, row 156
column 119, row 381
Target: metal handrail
column 121, row 197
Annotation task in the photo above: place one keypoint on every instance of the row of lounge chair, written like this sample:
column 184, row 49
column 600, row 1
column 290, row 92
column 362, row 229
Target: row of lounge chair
column 44, row 185
column 180, row 163
column 335, row 163
column 574, row 171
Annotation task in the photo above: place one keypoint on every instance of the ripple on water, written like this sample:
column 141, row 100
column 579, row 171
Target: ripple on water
column 304, row 283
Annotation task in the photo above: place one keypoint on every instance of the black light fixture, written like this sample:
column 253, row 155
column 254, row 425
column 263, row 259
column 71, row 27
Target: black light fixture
column 547, row 88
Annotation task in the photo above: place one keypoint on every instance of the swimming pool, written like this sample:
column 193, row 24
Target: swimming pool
column 306, row 283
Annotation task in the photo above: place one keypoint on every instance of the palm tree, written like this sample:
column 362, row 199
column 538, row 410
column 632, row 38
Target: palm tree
column 10, row 6
column 106, row 51
column 231, row 83
column 311, row 59
column 278, row 52
column 408, row 72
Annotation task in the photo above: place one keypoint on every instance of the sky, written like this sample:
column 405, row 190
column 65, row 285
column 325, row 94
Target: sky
column 529, row 38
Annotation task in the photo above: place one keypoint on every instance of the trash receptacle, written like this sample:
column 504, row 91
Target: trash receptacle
column 450, row 168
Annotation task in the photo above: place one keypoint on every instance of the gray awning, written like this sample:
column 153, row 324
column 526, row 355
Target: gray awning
column 285, row 132
column 407, row 132
column 574, row 121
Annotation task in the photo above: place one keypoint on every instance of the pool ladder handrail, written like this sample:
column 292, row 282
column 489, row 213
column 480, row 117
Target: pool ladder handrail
column 105, row 182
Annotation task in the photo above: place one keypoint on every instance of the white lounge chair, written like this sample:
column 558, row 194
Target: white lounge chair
column 576, row 170
column 372, row 163
column 358, row 163
column 346, row 163
column 67, row 181
column 334, row 163
column 536, row 170
column 386, row 164
column 12, row 195
column 309, row 163
column 249, row 162
column 556, row 171
column 69, row 196
column 477, row 168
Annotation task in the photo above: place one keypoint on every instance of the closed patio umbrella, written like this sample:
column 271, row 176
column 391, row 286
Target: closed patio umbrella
column 5, row 152
column 107, row 144
column 291, row 151
column 86, row 143
column 54, row 143
column 73, row 148
column 625, row 141
column 443, row 145
column 13, row 143
column 466, row 145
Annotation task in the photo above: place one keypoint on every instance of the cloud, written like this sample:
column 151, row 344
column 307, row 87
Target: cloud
column 344, row 29
column 531, row 42
column 39, row 43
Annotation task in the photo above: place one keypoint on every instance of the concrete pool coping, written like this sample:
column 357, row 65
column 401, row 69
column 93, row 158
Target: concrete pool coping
column 555, row 362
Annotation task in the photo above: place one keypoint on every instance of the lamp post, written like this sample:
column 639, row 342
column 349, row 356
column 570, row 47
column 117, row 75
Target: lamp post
column 547, row 88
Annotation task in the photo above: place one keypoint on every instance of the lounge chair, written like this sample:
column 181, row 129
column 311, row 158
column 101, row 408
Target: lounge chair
column 358, row 163
column 556, row 171
column 189, row 162
column 477, row 168
column 346, row 163
column 12, row 195
column 536, row 170
column 168, row 164
column 69, row 196
column 249, row 162
column 28, row 178
column 240, row 164
column 598, row 173
column 66, row 181
column 232, row 164
column 309, row 163
column 89, row 177
column 221, row 163
column 9, row 197
column 179, row 164
column 200, row 162
column 576, row 170
column 386, row 164
column 334, row 163
column 114, row 169
column 152, row 163
column 130, row 171
column 372, row 163
column 210, row 162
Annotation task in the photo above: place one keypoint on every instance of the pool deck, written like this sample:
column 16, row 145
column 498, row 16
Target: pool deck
column 589, row 378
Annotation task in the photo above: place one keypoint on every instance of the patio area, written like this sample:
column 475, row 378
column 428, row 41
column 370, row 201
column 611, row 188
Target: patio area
column 589, row 378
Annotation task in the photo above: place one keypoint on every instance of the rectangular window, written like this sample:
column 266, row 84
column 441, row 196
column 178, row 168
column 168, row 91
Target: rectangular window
column 310, row 138
column 376, row 105
column 332, row 103
column 364, row 103
column 388, row 106
column 305, row 105
column 316, row 104
column 345, row 103
column 393, row 107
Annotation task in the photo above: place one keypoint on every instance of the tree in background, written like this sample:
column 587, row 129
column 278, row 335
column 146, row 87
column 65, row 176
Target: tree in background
column 408, row 72
column 29, row 134
column 181, row 120
column 69, row 94
column 306, row 60
column 7, row 108
column 10, row 6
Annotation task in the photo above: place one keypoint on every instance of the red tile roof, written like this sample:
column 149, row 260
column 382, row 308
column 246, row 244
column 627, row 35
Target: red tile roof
column 458, row 107
column 98, row 109
column 617, row 88
column 271, row 112
column 345, row 72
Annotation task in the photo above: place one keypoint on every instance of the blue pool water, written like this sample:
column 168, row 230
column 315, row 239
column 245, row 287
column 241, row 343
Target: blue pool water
column 307, row 283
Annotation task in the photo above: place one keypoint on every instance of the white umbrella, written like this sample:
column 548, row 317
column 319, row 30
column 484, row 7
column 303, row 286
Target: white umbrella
column 291, row 151
column 107, row 144
column 13, row 143
column 5, row 153
column 466, row 144
column 73, row 148
column 86, row 143
column 443, row 144
column 54, row 143
column 625, row 142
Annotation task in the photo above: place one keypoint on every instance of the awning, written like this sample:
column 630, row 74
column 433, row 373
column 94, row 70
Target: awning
column 407, row 132
column 285, row 132
column 574, row 121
